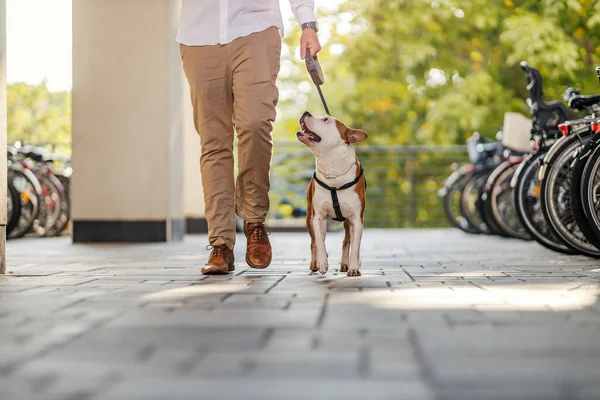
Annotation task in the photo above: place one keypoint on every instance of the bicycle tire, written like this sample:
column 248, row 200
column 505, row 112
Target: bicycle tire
column 485, row 204
column 65, row 215
column 13, row 207
column 30, row 192
column 470, row 199
column 502, row 205
column 454, row 192
column 529, row 208
column 576, row 199
column 556, row 189
column 51, row 204
column 590, row 190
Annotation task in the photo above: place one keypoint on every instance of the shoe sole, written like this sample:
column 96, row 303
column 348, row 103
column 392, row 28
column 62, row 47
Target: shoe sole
column 259, row 267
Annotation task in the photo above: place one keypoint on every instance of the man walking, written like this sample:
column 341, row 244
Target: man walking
column 231, row 51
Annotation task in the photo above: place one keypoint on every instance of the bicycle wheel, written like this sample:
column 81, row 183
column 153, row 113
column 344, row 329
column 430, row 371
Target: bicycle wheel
column 590, row 191
column 30, row 192
column 529, row 208
column 470, row 199
column 13, row 207
column 576, row 198
column 65, row 216
column 556, row 193
column 484, row 210
column 501, row 205
column 50, row 209
column 454, row 188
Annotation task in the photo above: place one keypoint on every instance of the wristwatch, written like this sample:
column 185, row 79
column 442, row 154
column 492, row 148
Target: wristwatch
column 311, row 24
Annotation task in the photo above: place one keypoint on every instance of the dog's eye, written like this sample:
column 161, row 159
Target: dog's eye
column 326, row 119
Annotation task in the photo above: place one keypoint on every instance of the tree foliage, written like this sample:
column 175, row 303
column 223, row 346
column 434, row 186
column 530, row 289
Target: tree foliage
column 39, row 116
column 431, row 72
column 434, row 71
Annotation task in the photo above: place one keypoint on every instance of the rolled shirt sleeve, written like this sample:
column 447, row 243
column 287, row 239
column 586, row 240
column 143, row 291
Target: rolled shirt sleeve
column 304, row 10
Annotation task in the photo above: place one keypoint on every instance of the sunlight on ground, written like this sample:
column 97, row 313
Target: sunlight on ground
column 555, row 297
column 194, row 291
column 533, row 297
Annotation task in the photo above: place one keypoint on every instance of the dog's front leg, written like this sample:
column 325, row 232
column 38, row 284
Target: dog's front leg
column 345, row 248
column 356, row 230
column 319, row 228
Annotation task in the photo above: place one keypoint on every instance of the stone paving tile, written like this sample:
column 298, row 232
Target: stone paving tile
column 344, row 389
column 437, row 314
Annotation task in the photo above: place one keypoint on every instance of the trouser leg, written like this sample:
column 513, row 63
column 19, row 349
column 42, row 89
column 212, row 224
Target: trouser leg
column 255, row 65
column 208, row 71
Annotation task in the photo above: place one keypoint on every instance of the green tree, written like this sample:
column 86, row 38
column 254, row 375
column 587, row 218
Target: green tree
column 39, row 116
column 431, row 72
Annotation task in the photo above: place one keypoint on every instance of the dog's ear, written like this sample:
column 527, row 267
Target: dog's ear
column 355, row 136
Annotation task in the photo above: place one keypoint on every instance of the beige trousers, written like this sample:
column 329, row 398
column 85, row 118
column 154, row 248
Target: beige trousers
column 233, row 87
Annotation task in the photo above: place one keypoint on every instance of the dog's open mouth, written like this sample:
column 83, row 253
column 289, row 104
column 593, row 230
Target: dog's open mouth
column 310, row 135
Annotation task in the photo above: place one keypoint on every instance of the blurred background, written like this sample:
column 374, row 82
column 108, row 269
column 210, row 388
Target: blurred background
column 419, row 76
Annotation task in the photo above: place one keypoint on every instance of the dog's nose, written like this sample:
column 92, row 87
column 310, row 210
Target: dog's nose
column 306, row 114
column 298, row 134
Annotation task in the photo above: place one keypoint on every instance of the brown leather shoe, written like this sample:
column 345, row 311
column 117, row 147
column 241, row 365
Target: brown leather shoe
column 220, row 261
column 258, row 251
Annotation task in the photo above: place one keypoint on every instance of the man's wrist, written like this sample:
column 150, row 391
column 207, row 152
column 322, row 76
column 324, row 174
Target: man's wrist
column 310, row 25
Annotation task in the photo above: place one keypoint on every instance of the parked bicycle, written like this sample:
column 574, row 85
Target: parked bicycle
column 38, row 201
column 550, row 193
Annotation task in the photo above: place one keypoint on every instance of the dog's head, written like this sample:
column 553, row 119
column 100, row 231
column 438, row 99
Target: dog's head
column 324, row 134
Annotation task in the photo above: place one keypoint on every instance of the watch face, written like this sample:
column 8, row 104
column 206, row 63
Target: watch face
column 314, row 25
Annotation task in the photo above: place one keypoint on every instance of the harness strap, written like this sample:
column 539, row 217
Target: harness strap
column 334, row 197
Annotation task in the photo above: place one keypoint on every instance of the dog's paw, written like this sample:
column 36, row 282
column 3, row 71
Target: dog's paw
column 322, row 267
column 344, row 268
column 354, row 272
column 313, row 266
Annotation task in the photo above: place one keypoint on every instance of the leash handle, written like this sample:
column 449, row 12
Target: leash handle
column 316, row 74
column 314, row 69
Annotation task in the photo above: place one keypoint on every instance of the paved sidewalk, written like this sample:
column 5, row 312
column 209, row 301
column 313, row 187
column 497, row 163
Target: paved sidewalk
column 437, row 314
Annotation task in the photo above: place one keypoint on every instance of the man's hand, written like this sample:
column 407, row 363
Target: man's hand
column 309, row 42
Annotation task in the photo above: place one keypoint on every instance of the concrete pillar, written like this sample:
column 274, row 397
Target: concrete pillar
column 193, row 194
column 3, row 136
column 127, row 183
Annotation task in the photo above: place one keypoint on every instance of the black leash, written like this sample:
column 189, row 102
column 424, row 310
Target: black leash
column 316, row 73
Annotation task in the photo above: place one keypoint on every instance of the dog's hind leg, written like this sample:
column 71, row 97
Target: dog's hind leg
column 346, row 248
column 313, row 247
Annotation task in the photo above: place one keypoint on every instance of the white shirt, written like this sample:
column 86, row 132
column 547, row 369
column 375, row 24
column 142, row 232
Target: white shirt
column 210, row 22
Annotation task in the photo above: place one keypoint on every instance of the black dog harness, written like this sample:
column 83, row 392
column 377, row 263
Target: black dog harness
column 336, row 203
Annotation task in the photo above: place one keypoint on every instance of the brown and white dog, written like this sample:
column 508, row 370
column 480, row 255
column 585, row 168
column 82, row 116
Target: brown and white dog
column 337, row 190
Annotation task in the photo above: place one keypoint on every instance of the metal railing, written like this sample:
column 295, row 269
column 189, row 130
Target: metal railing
column 402, row 182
